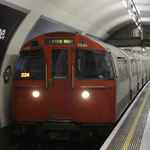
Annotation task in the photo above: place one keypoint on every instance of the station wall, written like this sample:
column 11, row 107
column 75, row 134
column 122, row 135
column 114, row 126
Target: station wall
column 10, row 20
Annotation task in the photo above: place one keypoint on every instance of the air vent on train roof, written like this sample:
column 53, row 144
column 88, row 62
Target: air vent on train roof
column 60, row 34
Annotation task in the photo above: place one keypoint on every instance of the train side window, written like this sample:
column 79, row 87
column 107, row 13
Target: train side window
column 60, row 63
column 30, row 65
column 93, row 65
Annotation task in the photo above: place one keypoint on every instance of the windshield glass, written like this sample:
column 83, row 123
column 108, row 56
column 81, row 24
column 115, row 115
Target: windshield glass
column 93, row 65
column 30, row 65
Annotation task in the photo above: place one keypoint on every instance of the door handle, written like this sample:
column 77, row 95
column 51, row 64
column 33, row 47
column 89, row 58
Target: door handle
column 50, row 83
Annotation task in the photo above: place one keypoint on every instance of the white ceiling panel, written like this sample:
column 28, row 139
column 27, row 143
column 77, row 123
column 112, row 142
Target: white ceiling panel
column 99, row 18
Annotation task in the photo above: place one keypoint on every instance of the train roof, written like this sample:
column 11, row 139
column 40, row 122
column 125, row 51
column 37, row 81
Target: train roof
column 115, row 51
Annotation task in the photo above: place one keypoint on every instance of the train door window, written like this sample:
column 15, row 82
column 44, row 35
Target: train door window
column 149, row 64
column 93, row 65
column 133, row 67
column 30, row 65
column 60, row 63
column 120, row 66
column 123, row 70
column 138, row 64
column 144, row 67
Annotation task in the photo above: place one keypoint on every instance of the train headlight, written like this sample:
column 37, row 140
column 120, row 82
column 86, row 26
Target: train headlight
column 36, row 94
column 85, row 94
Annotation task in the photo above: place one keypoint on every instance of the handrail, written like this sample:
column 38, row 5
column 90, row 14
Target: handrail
column 73, row 76
column 94, row 87
column 46, row 76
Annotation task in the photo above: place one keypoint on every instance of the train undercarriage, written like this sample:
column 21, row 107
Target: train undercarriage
column 63, row 130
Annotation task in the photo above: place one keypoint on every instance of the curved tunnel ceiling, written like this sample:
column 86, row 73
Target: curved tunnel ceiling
column 99, row 18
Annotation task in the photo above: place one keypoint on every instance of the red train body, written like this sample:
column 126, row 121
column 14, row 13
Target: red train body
column 61, row 66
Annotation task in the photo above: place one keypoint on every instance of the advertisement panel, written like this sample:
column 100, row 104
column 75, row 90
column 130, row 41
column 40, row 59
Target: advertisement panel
column 10, row 19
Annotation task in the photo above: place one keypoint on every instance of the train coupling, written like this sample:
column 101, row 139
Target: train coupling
column 59, row 136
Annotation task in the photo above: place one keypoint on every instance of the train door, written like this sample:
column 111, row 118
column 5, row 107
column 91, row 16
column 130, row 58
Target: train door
column 58, row 82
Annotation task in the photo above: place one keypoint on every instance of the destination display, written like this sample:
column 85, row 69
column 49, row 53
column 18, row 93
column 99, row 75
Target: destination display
column 60, row 41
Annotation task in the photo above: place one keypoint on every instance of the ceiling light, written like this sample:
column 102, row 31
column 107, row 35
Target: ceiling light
column 134, row 12
column 124, row 3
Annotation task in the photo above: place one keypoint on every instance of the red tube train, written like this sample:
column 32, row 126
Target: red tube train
column 68, row 86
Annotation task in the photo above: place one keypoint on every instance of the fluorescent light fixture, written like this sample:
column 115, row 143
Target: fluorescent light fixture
column 136, row 24
column 134, row 12
column 130, row 12
column 138, row 12
column 133, row 19
column 124, row 3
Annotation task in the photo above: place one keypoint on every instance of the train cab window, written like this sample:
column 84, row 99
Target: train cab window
column 60, row 63
column 30, row 65
column 93, row 65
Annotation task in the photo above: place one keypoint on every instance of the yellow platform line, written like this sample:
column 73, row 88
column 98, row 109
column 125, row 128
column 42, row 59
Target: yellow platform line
column 130, row 135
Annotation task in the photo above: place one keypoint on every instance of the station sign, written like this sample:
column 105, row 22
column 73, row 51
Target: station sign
column 7, row 74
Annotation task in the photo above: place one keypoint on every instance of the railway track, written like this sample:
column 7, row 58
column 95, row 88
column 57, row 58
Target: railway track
column 35, row 144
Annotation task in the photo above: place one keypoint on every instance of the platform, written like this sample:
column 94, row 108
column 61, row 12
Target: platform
column 133, row 130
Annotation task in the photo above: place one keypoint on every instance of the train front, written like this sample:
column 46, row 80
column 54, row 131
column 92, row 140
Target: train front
column 64, row 87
